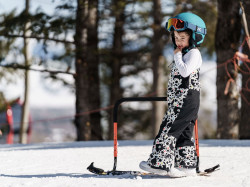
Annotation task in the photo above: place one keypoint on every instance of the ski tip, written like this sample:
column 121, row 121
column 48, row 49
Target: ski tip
column 90, row 166
column 209, row 170
column 95, row 170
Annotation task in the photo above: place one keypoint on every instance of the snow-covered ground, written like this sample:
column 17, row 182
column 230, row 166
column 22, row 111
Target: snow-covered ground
column 64, row 164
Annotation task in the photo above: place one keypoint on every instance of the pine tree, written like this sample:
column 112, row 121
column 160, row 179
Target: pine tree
column 244, row 127
column 58, row 29
column 227, row 43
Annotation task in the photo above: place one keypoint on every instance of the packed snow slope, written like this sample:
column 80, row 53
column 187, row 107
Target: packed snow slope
column 64, row 164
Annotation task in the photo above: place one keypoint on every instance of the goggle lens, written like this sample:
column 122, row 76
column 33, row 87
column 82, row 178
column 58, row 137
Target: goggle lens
column 176, row 23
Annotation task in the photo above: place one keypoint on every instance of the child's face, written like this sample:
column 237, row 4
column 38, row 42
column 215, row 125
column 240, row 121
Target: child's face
column 181, row 39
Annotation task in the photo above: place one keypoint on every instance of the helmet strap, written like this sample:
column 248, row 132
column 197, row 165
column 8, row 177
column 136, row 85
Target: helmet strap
column 173, row 40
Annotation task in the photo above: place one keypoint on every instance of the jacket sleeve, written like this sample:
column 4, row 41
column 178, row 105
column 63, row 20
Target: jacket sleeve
column 189, row 63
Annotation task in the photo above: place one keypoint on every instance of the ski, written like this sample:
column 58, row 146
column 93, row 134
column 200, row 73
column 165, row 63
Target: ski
column 100, row 171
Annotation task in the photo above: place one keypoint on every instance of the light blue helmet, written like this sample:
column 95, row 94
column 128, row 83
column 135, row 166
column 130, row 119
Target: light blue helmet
column 188, row 20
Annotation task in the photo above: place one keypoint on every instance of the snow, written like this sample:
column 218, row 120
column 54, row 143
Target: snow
column 64, row 164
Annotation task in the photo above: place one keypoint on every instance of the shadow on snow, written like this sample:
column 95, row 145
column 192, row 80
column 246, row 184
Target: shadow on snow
column 76, row 175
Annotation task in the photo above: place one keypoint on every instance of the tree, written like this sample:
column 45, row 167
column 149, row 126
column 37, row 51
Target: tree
column 157, row 65
column 117, row 50
column 25, row 107
column 93, row 69
column 133, row 56
column 59, row 29
column 121, row 54
column 226, row 44
column 40, row 27
column 81, row 78
column 87, row 76
column 244, row 127
column 146, row 53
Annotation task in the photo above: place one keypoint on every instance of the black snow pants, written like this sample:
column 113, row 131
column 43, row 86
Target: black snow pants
column 173, row 146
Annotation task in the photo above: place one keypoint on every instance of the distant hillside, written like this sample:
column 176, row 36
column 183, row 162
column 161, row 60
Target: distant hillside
column 53, row 125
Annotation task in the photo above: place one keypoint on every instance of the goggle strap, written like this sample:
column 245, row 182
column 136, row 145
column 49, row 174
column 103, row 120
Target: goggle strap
column 196, row 28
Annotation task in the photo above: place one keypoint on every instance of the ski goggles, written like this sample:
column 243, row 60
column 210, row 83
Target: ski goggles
column 180, row 25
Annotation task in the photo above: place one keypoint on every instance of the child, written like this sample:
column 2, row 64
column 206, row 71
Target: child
column 173, row 152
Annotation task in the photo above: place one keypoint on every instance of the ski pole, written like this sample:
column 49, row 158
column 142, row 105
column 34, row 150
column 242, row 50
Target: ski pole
column 197, row 146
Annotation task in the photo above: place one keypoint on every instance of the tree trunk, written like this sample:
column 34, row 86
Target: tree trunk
column 226, row 43
column 244, row 128
column 93, row 70
column 82, row 122
column 158, row 61
column 25, row 107
column 116, row 93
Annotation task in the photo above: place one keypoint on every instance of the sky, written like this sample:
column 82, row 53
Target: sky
column 19, row 5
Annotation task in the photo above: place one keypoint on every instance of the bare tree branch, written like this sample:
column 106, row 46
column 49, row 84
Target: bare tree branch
column 18, row 66
column 38, row 38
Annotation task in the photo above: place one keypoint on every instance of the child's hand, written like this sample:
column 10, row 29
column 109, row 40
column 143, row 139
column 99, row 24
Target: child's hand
column 177, row 50
column 1, row 133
